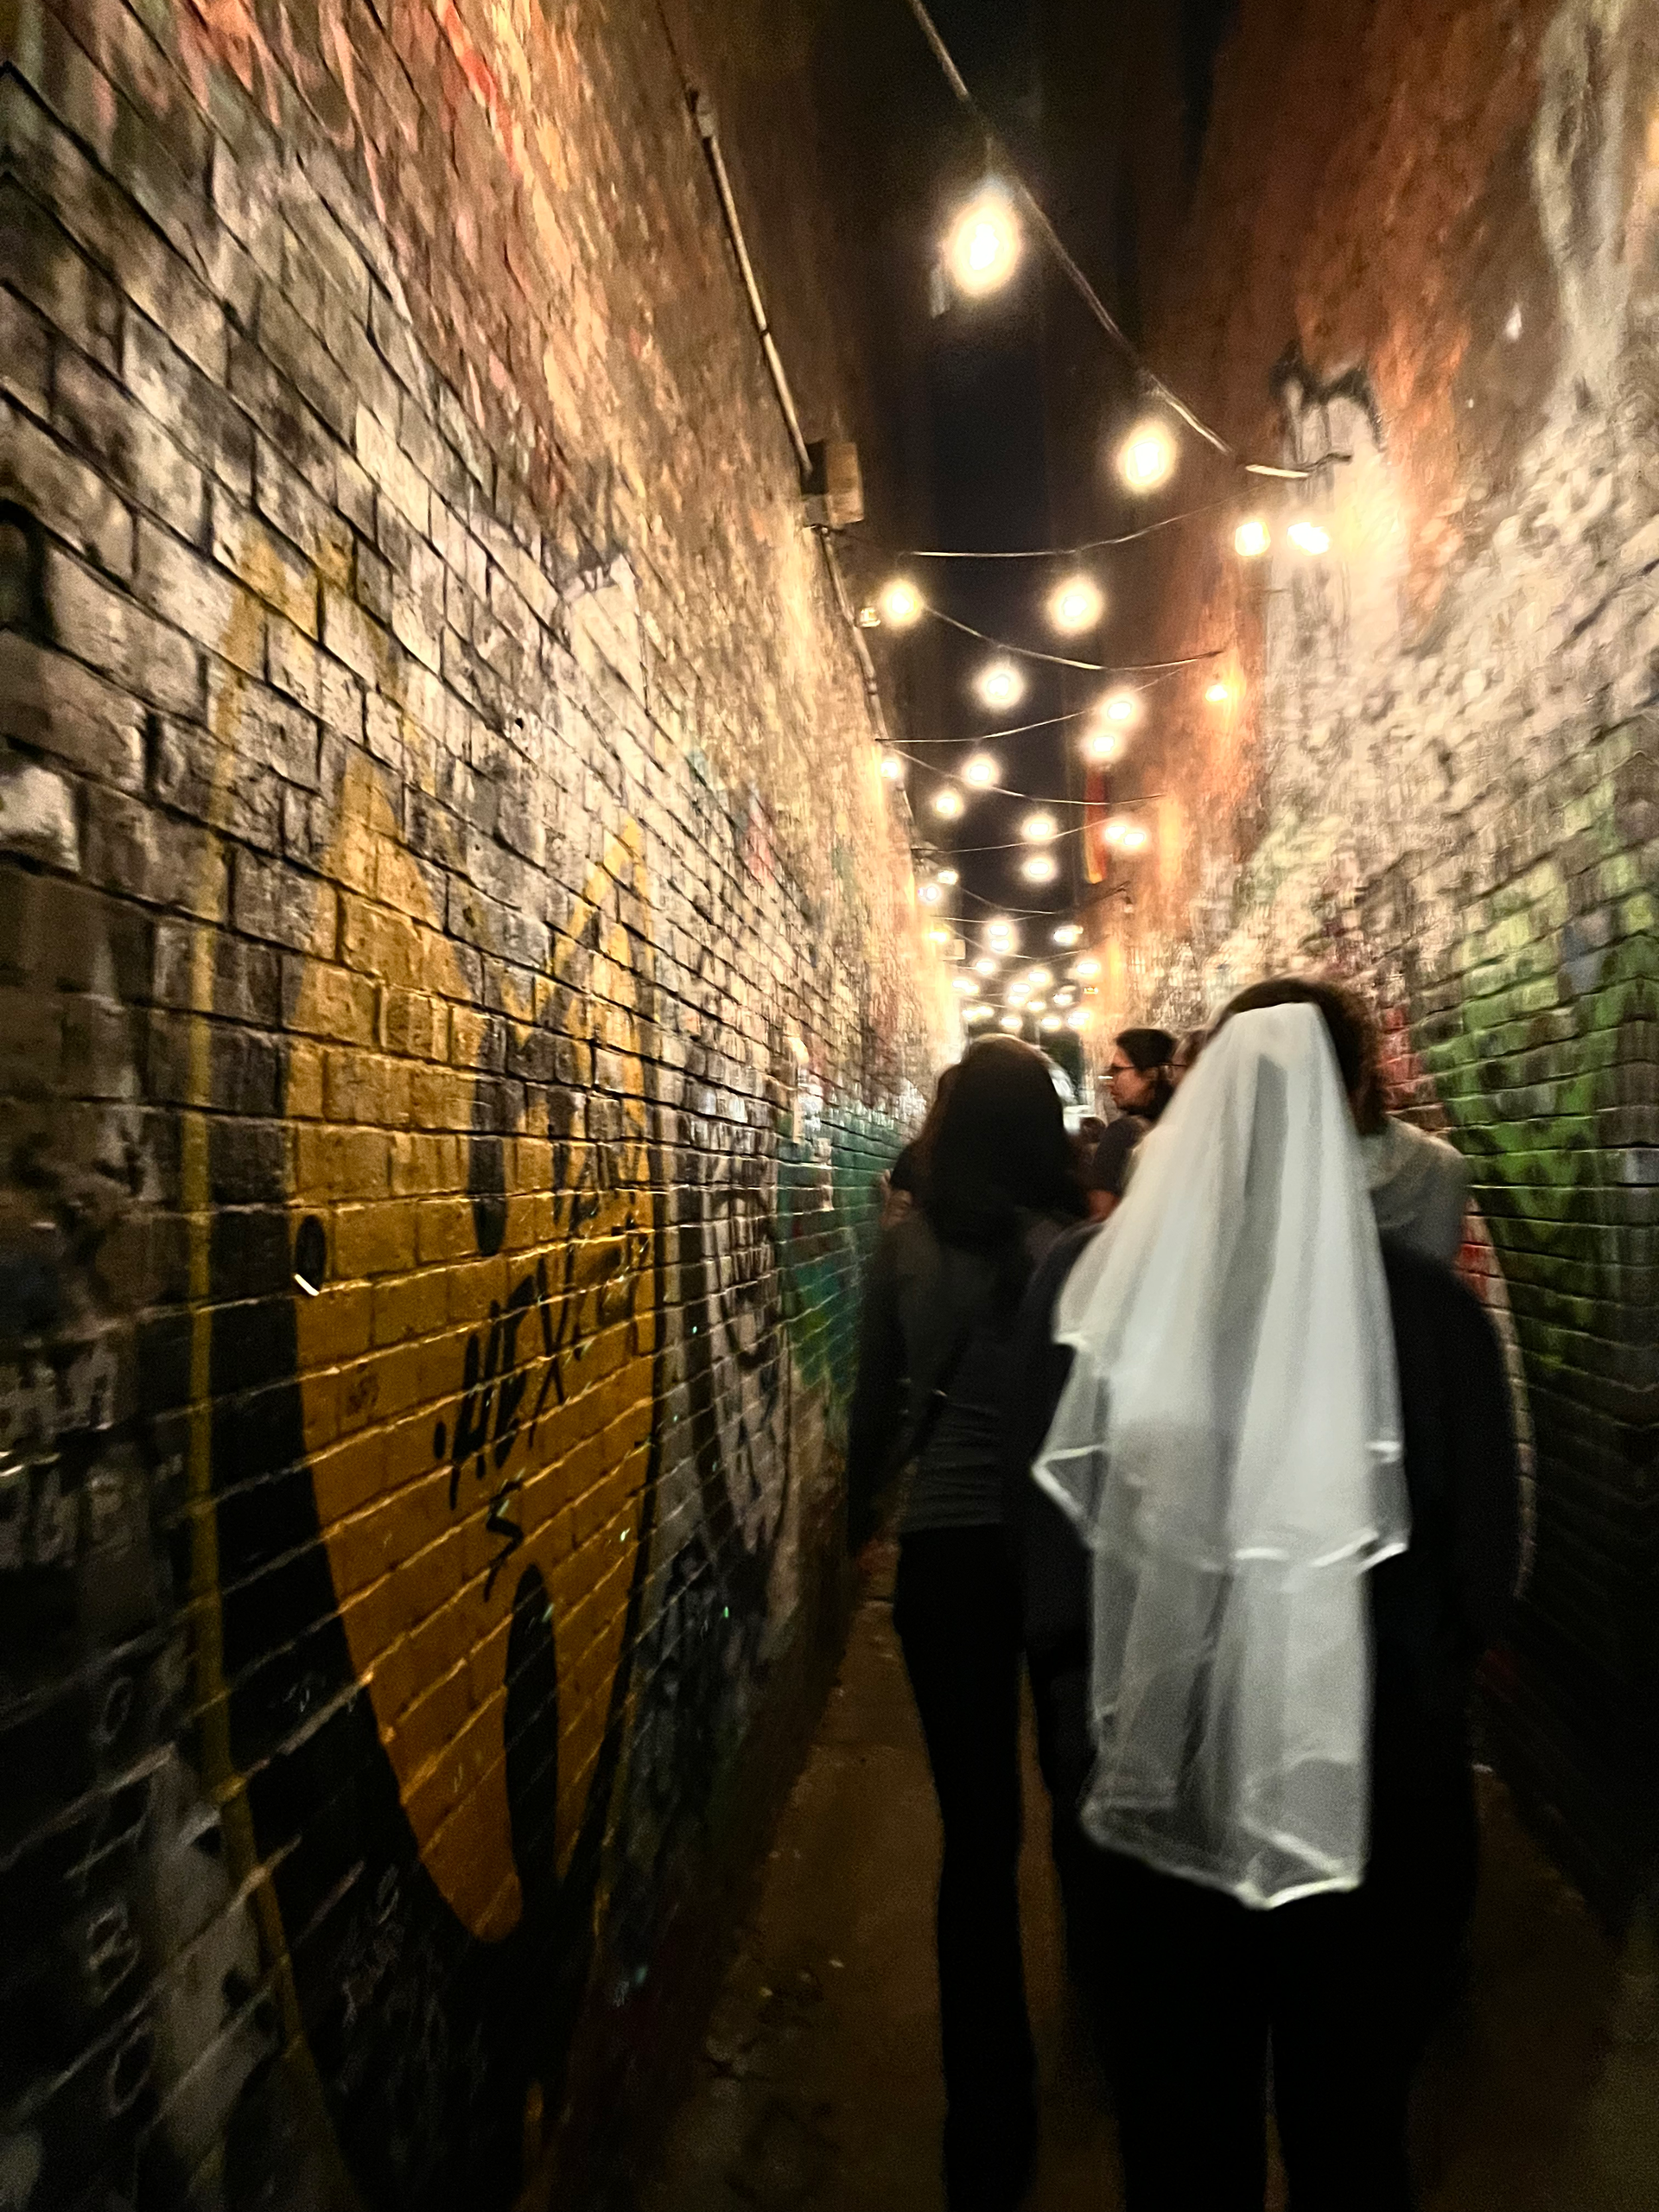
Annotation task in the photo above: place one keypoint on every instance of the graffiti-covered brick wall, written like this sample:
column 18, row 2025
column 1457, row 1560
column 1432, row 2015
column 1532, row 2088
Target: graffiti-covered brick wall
column 459, row 982
column 1425, row 238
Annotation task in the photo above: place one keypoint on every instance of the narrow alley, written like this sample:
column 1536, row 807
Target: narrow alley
column 828, row 970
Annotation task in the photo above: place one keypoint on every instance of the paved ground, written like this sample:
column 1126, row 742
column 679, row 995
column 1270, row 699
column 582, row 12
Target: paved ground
column 819, row 2090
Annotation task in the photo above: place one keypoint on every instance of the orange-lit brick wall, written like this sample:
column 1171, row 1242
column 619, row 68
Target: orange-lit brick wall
column 1424, row 238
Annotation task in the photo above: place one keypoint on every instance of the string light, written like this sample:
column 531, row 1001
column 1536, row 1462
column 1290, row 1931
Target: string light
column 1051, row 1021
column 1085, row 971
column 1039, row 828
column 977, row 1014
column 1011, row 1021
column 900, row 603
column 1038, row 979
column 985, row 965
column 939, row 937
column 948, row 802
column 893, row 768
column 1041, row 867
column 967, row 986
column 1000, row 936
column 981, row 770
column 982, row 249
column 1218, row 695
column 930, row 894
column 1067, row 933
column 1135, row 840
column 1146, row 457
column 1036, row 1006
column 1075, row 605
column 1078, row 1019
column 1000, row 684
column 1309, row 537
column 1121, row 708
column 1100, row 744
column 1251, row 539
column 1064, row 998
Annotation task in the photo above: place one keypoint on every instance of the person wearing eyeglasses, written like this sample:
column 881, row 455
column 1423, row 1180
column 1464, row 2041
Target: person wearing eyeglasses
column 1139, row 1083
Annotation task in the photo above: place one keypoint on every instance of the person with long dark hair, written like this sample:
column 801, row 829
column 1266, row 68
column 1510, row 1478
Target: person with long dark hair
column 1140, row 1085
column 945, row 1289
column 1278, row 1523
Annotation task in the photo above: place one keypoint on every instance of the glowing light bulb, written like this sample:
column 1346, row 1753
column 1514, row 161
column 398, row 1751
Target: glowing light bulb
column 1067, row 933
column 1000, row 684
column 1086, row 968
column 967, row 986
column 1075, row 605
column 1116, row 830
column 949, row 877
column 1052, row 1022
column 1100, row 744
column 893, row 768
column 1036, row 1006
column 980, row 770
column 1135, row 841
column 1039, row 868
column 982, row 249
column 900, row 603
column 1064, row 998
column 948, row 802
column 1146, row 457
column 985, row 965
column 1011, row 1022
column 1000, row 933
column 977, row 1014
column 1252, row 538
column 930, row 894
column 939, row 937
column 1121, row 708
column 1038, row 979
column 1218, row 695
column 1309, row 537
column 1078, row 1019
column 1039, row 828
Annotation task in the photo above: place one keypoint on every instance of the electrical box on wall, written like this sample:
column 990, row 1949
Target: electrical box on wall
column 834, row 486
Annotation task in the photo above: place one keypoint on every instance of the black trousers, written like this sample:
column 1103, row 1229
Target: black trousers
column 957, row 1610
column 1341, row 1989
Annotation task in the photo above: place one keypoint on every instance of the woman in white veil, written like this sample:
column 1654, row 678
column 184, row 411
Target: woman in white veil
column 1287, row 1450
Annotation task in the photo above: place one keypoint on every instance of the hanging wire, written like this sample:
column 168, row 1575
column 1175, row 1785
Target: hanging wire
column 1064, row 660
column 1080, row 283
column 1038, row 552
column 1049, row 722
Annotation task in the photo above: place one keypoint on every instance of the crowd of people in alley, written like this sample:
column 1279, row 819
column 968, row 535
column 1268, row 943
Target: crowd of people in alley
column 1188, row 1418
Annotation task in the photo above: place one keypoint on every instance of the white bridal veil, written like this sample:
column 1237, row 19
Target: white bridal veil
column 1228, row 1445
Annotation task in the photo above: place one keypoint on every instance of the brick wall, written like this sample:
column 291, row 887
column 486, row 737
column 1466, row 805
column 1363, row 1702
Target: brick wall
column 1424, row 235
column 460, row 980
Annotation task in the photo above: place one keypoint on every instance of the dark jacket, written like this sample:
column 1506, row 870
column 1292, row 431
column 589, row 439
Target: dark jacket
column 933, row 1340
column 1435, row 1607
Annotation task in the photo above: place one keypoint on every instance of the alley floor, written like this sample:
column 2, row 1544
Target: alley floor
column 818, row 2083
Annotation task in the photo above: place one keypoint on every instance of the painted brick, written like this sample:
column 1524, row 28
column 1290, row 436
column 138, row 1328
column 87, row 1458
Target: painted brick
column 1438, row 766
column 489, row 919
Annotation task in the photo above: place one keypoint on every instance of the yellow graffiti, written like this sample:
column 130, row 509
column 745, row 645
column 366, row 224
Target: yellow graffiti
column 476, row 1358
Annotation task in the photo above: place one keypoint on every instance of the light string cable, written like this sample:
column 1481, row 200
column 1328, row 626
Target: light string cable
column 1065, row 660
column 1080, row 283
column 1054, row 721
column 993, row 790
column 1038, row 552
